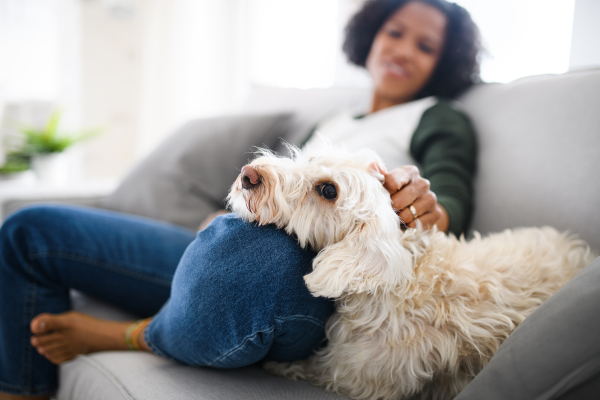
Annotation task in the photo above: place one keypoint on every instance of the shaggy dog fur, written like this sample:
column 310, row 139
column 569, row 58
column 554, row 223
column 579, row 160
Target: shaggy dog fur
column 419, row 313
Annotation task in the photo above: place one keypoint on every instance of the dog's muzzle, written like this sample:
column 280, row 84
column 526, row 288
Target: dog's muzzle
column 250, row 178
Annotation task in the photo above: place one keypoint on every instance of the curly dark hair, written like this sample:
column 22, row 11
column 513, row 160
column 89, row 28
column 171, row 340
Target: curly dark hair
column 458, row 66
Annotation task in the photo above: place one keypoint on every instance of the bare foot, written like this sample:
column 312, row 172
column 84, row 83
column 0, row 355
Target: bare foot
column 61, row 337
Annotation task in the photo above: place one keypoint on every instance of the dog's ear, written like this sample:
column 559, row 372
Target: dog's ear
column 371, row 257
column 378, row 170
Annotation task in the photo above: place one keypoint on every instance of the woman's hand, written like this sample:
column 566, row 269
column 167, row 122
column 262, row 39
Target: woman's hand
column 411, row 194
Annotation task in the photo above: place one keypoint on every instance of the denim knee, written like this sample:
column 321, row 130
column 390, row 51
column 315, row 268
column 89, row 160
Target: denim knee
column 28, row 221
column 232, row 289
column 15, row 233
column 29, row 230
column 31, row 214
column 14, row 223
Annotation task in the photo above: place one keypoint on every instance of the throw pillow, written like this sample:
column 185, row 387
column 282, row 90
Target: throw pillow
column 189, row 175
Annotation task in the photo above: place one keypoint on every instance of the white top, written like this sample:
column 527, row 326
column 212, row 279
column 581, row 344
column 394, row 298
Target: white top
column 388, row 132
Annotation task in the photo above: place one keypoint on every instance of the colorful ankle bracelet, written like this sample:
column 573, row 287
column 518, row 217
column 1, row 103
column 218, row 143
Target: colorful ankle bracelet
column 133, row 332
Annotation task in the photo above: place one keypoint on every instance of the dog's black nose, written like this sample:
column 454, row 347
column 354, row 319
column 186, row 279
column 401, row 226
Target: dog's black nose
column 250, row 178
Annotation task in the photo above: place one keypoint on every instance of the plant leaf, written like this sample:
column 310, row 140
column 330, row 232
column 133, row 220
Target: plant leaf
column 52, row 125
column 49, row 139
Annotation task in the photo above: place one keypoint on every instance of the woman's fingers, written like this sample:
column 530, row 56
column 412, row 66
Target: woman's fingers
column 417, row 189
column 422, row 206
column 407, row 188
column 400, row 177
column 427, row 220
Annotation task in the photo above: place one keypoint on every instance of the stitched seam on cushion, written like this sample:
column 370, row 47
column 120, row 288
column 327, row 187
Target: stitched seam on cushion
column 107, row 374
column 558, row 389
column 42, row 390
column 112, row 267
column 230, row 352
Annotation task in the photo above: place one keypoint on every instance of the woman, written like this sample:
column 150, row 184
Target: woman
column 235, row 295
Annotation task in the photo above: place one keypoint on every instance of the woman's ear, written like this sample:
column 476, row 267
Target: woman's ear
column 369, row 258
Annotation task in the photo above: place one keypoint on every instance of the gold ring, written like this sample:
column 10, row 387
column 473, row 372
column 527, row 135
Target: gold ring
column 413, row 211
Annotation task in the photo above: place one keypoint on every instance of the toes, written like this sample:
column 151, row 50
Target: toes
column 40, row 324
column 45, row 339
column 56, row 352
column 52, row 347
column 45, row 323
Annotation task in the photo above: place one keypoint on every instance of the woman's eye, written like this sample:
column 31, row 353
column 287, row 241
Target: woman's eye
column 328, row 191
column 426, row 49
column 394, row 34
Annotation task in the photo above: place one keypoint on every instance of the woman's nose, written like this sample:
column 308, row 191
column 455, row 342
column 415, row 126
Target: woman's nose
column 250, row 178
column 403, row 49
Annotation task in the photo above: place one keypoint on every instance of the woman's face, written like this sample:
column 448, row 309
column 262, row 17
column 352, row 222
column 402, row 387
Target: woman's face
column 405, row 52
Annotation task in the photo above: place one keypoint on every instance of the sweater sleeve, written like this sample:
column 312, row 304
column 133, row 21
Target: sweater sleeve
column 445, row 147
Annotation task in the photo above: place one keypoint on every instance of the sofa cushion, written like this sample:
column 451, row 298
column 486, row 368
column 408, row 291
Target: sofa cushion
column 538, row 153
column 133, row 375
column 128, row 375
column 189, row 174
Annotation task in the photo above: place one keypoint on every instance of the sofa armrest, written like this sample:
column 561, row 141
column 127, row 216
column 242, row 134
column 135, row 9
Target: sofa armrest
column 14, row 195
column 11, row 205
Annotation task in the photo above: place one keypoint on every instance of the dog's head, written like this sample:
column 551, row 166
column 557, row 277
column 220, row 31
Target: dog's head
column 334, row 202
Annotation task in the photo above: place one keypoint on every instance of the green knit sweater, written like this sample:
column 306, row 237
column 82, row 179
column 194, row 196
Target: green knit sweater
column 445, row 149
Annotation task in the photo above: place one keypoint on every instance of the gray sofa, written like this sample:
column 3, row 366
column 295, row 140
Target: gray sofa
column 539, row 142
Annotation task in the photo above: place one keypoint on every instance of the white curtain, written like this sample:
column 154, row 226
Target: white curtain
column 193, row 64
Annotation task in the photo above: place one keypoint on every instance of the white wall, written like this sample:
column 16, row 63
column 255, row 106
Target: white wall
column 585, row 41
column 522, row 37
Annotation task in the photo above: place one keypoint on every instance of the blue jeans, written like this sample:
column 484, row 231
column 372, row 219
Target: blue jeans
column 227, row 298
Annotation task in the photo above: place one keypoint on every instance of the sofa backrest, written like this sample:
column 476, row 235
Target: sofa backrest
column 539, row 153
column 307, row 106
column 539, row 146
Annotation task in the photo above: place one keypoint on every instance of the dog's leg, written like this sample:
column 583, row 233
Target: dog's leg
column 291, row 370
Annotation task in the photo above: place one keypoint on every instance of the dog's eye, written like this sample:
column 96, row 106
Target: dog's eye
column 328, row 191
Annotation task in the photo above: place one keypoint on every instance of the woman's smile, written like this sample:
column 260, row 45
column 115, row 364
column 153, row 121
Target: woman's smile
column 395, row 70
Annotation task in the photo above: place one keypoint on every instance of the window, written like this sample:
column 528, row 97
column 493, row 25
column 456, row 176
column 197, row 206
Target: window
column 523, row 37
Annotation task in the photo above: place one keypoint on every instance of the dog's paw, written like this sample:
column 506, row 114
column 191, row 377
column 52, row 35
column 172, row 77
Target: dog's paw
column 290, row 370
column 323, row 286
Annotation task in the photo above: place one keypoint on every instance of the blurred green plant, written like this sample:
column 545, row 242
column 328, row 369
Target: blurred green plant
column 15, row 163
column 49, row 139
column 45, row 140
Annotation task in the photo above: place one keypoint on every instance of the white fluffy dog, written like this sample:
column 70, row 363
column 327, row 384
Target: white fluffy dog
column 419, row 313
